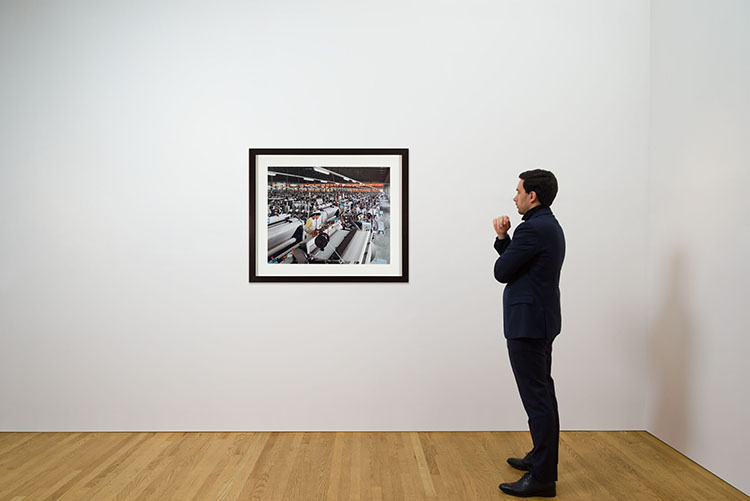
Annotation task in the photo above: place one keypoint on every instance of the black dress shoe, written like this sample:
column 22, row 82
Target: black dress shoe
column 519, row 463
column 528, row 486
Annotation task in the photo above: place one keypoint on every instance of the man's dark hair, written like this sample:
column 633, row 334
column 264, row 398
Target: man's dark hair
column 543, row 182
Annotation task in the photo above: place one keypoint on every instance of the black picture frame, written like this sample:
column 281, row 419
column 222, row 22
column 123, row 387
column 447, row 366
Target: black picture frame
column 375, row 238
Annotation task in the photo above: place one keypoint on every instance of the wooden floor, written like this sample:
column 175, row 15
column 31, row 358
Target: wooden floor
column 340, row 466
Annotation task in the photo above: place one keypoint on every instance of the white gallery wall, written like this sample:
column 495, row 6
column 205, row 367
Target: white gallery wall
column 124, row 211
column 699, row 233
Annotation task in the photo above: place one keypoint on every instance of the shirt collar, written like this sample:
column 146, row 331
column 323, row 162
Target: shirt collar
column 531, row 212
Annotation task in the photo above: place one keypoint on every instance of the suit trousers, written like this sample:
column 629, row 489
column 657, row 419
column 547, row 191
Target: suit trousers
column 531, row 360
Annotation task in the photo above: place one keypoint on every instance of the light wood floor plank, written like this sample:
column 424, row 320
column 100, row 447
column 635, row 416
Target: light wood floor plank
column 88, row 460
column 339, row 466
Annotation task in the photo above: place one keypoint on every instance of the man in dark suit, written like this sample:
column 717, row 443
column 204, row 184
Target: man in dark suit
column 530, row 265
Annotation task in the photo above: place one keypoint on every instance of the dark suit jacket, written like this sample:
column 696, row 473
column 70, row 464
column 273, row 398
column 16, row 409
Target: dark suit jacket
column 530, row 265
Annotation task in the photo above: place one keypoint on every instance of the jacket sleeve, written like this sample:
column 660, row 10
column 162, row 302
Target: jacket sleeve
column 501, row 245
column 516, row 253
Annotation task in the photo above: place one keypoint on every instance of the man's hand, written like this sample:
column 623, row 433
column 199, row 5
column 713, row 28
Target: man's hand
column 502, row 225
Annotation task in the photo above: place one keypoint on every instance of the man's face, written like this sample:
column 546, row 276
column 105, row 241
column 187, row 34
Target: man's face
column 522, row 199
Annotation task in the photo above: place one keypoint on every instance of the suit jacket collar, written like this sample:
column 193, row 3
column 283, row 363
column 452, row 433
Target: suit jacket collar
column 536, row 211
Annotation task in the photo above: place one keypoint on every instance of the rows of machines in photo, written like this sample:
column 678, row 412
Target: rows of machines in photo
column 323, row 215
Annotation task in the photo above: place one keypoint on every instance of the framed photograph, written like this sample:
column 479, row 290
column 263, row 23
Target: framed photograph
column 329, row 215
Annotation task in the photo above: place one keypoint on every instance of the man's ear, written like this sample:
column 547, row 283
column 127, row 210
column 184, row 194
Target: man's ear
column 533, row 197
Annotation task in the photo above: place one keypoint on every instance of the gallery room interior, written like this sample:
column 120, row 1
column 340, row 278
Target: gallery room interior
column 125, row 304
